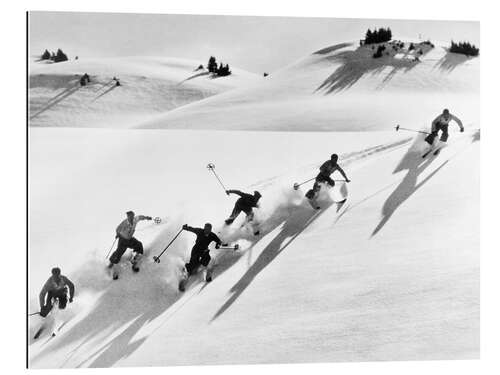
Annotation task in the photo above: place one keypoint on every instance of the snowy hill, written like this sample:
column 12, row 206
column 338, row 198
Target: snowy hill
column 343, row 88
column 149, row 86
column 393, row 274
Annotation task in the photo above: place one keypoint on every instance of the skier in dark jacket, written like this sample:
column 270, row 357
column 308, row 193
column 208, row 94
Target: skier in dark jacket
column 327, row 168
column 441, row 123
column 200, row 254
column 325, row 171
column 56, row 288
column 246, row 203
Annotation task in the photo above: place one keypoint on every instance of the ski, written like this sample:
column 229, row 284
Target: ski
column 435, row 150
column 427, row 153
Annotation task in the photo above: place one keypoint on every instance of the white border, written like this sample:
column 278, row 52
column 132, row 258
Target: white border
column 12, row 151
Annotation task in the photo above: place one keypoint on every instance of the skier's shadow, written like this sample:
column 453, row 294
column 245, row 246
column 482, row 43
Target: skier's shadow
column 450, row 61
column 352, row 66
column 415, row 165
column 104, row 93
column 56, row 99
column 293, row 226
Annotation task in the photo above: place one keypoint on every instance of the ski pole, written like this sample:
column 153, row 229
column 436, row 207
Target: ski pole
column 235, row 247
column 296, row 185
column 35, row 313
column 111, row 248
column 156, row 258
column 410, row 130
column 211, row 167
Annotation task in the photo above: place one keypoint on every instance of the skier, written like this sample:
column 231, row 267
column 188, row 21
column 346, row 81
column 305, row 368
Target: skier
column 124, row 233
column 56, row 288
column 441, row 123
column 200, row 254
column 246, row 203
column 325, row 171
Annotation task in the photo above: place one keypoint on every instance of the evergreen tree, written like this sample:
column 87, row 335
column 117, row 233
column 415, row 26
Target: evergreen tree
column 46, row 55
column 368, row 37
column 212, row 65
column 60, row 56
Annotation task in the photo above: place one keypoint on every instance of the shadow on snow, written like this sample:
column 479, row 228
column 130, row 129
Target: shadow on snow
column 414, row 164
column 293, row 226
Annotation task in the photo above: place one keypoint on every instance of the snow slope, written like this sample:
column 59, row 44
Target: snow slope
column 343, row 88
column 150, row 85
column 393, row 274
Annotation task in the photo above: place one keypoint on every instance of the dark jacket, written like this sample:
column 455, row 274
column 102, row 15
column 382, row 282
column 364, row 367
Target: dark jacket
column 246, row 202
column 328, row 167
column 203, row 241
column 56, row 286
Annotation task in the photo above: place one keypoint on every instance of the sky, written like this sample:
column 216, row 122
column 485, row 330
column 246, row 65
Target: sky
column 256, row 44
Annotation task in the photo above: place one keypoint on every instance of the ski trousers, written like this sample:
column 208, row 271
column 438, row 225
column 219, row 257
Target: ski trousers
column 62, row 298
column 236, row 211
column 198, row 258
column 322, row 178
column 444, row 134
column 123, row 245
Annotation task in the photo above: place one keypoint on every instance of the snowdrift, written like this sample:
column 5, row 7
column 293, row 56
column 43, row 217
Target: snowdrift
column 343, row 88
column 392, row 274
column 149, row 86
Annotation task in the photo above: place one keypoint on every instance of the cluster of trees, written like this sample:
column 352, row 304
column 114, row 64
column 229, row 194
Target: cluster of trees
column 220, row 70
column 464, row 48
column 378, row 36
column 56, row 57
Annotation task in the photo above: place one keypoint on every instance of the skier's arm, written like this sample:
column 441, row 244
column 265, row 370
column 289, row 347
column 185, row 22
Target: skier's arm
column 119, row 229
column 458, row 121
column 217, row 240
column 237, row 192
column 71, row 287
column 189, row 229
column 43, row 293
column 342, row 173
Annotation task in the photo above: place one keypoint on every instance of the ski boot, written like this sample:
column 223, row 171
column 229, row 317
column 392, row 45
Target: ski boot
column 136, row 262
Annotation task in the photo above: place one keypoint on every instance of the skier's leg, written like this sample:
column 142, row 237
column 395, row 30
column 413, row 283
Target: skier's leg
column 62, row 299
column 44, row 311
column 430, row 138
column 330, row 182
column 136, row 245
column 205, row 261
column 444, row 133
column 234, row 215
column 138, row 249
column 120, row 249
column 194, row 262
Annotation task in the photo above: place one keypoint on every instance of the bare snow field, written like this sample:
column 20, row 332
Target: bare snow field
column 391, row 274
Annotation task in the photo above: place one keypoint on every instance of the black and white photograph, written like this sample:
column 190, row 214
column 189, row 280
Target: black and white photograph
column 240, row 190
